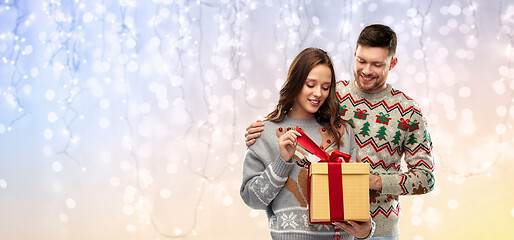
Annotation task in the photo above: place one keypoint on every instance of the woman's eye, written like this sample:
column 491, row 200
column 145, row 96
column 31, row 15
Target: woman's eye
column 311, row 86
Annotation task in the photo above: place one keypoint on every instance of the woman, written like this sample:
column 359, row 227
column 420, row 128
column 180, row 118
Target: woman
column 274, row 175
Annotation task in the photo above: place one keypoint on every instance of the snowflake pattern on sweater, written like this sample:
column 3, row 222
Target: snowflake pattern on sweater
column 389, row 126
column 280, row 187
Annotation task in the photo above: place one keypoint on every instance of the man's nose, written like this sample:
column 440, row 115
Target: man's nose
column 367, row 69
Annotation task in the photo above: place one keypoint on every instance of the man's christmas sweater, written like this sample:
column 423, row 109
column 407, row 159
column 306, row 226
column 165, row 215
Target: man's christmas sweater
column 388, row 126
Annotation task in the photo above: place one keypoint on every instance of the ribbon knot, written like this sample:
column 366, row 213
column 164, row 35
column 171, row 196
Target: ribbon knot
column 307, row 143
column 383, row 115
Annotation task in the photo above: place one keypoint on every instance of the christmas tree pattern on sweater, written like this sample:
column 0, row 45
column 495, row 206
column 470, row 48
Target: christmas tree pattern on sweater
column 389, row 126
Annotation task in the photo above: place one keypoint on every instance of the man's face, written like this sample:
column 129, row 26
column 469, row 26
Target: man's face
column 372, row 64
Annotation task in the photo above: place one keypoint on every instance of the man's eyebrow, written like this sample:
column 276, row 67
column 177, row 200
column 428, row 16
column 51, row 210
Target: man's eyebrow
column 373, row 62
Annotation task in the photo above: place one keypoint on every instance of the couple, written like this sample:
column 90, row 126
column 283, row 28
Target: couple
column 365, row 118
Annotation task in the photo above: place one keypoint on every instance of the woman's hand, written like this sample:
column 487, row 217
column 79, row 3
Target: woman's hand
column 287, row 144
column 356, row 229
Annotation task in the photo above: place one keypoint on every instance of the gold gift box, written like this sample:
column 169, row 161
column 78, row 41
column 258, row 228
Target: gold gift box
column 355, row 192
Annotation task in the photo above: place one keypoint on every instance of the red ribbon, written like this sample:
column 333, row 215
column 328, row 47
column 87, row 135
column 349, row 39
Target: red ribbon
column 310, row 145
column 335, row 176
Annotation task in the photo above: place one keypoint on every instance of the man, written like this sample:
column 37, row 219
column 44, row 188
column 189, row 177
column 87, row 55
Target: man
column 389, row 126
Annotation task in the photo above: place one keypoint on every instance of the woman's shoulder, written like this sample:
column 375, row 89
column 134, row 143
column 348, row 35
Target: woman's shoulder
column 268, row 139
column 269, row 124
column 272, row 128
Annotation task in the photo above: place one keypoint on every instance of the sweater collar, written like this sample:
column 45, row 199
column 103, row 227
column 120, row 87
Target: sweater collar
column 300, row 122
column 379, row 95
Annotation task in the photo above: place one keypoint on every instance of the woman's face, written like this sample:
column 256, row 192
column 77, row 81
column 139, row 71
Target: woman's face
column 314, row 93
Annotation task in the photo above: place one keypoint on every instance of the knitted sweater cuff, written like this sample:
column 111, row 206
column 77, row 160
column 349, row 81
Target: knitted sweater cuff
column 282, row 168
column 390, row 184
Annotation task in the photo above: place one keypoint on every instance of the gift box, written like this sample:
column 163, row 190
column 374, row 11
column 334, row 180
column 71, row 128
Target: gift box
column 360, row 114
column 338, row 192
column 383, row 118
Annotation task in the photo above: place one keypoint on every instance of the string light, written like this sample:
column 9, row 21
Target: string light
column 345, row 34
column 17, row 75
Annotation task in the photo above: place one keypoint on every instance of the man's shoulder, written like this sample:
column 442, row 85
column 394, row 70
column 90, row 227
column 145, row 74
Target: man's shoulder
column 343, row 83
column 342, row 89
column 405, row 101
column 400, row 94
column 402, row 97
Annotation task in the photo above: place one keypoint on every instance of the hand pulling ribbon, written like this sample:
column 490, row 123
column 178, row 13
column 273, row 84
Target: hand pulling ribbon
column 335, row 176
column 310, row 145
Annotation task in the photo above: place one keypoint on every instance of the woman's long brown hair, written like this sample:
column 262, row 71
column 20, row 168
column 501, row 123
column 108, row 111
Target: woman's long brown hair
column 328, row 114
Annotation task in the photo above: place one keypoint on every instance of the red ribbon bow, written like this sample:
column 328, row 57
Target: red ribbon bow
column 308, row 144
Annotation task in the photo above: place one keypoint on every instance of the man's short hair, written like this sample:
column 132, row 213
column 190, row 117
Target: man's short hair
column 378, row 35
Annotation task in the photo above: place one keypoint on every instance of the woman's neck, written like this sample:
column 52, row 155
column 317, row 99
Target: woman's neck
column 297, row 115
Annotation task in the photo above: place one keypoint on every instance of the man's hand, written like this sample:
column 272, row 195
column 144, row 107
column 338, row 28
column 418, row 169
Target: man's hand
column 375, row 182
column 356, row 229
column 253, row 131
column 356, row 161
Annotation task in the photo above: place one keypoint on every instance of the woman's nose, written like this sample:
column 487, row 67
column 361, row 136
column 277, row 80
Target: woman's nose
column 317, row 91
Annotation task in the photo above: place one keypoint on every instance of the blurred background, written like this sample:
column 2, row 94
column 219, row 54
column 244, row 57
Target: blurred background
column 125, row 119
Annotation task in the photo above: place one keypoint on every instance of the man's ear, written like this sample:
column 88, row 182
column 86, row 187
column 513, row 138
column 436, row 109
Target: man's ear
column 394, row 61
